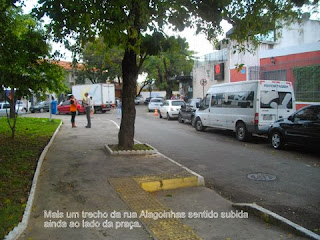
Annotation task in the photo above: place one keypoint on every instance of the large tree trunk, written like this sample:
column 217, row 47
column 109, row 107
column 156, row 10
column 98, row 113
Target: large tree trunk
column 130, row 75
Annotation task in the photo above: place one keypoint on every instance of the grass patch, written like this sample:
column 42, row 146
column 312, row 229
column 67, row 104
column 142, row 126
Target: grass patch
column 18, row 161
column 135, row 147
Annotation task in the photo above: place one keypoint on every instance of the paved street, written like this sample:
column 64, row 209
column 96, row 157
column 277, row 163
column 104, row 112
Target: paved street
column 225, row 164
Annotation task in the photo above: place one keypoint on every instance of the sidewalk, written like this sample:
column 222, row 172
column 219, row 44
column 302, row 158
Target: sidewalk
column 101, row 193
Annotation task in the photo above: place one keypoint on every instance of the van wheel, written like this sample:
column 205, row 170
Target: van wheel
column 242, row 133
column 199, row 126
column 276, row 140
column 180, row 120
column 160, row 116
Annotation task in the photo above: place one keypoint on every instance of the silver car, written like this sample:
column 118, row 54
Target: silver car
column 154, row 104
column 5, row 109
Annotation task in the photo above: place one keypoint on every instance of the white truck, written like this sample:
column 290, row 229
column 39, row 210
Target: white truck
column 103, row 95
column 245, row 107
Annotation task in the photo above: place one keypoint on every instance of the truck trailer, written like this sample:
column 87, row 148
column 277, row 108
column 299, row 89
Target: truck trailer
column 103, row 95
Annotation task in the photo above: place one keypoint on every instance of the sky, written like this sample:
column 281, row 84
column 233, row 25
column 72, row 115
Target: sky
column 197, row 43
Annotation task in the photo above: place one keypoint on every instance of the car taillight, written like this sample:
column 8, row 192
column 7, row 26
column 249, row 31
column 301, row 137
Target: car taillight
column 256, row 118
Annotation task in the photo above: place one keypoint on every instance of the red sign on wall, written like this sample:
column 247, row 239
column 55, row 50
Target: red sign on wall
column 219, row 71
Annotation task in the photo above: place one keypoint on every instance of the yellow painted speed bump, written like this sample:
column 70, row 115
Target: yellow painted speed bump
column 167, row 184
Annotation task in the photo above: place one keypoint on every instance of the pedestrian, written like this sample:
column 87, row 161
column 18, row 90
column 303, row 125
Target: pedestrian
column 186, row 98
column 87, row 104
column 92, row 107
column 73, row 110
column 119, row 106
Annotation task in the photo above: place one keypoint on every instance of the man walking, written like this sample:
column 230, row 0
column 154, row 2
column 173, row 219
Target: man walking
column 87, row 104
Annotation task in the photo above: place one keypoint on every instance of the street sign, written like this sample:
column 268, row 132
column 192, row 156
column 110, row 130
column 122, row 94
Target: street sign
column 203, row 82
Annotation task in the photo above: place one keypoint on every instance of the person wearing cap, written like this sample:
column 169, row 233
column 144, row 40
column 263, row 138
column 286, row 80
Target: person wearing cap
column 87, row 104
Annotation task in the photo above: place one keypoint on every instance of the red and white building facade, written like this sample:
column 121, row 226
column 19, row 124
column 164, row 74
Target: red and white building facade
column 298, row 46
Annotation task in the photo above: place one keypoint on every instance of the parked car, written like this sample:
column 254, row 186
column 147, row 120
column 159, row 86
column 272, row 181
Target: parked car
column 40, row 107
column 138, row 100
column 64, row 107
column 147, row 100
column 5, row 109
column 302, row 128
column 186, row 113
column 170, row 109
column 154, row 104
column 21, row 105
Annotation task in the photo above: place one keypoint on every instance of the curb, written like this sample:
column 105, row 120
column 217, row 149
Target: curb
column 200, row 179
column 168, row 183
column 130, row 152
column 16, row 232
column 276, row 219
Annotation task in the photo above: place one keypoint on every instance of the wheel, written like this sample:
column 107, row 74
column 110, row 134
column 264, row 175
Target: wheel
column 149, row 110
column 242, row 133
column 180, row 120
column 41, row 110
column 199, row 126
column 276, row 140
column 168, row 116
column 160, row 116
column 103, row 111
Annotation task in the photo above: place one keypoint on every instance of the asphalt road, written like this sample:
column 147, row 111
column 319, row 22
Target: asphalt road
column 226, row 163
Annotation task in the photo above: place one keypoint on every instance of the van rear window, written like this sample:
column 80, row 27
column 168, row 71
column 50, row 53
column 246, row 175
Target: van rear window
column 276, row 100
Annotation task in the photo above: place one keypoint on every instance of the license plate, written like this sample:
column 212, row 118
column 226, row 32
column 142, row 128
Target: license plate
column 267, row 117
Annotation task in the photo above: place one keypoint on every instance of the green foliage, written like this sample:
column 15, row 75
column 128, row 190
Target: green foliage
column 307, row 83
column 173, row 60
column 99, row 62
column 18, row 160
column 23, row 55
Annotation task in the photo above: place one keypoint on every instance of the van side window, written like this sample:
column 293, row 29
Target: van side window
column 212, row 100
column 238, row 100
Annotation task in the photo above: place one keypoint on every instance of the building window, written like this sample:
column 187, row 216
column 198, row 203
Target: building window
column 254, row 73
column 279, row 75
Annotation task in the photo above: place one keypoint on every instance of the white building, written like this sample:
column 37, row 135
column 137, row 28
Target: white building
column 295, row 46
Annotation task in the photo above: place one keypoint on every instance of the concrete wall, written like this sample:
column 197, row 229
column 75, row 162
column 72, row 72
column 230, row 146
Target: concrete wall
column 308, row 31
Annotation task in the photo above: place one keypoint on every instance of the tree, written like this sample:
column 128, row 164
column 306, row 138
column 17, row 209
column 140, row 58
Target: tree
column 126, row 21
column 23, row 60
column 99, row 62
column 173, row 59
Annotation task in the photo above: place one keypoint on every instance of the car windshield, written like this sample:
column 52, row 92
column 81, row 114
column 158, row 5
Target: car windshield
column 156, row 100
column 177, row 103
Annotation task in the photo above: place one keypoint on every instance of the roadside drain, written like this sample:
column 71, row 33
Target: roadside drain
column 265, row 177
column 139, row 200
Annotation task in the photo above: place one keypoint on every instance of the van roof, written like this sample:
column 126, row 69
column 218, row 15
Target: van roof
column 249, row 82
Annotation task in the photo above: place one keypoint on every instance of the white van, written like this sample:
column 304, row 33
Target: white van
column 245, row 107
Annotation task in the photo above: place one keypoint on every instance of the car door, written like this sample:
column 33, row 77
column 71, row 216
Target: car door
column 65, row 107
column 164, row 107
column 305, row 129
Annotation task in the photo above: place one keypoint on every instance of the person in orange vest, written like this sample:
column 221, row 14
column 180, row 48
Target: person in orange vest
column 73, row 110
